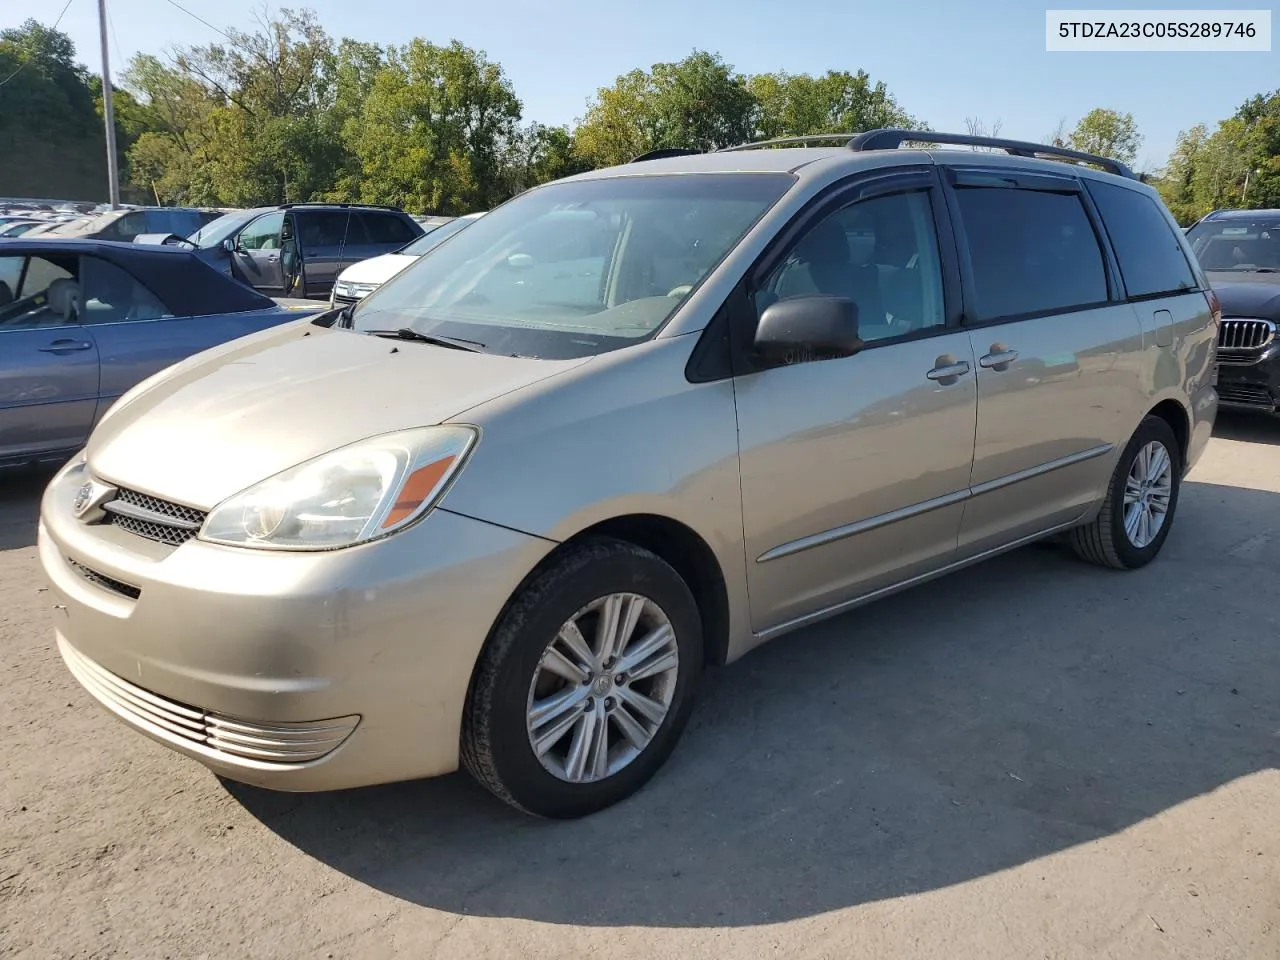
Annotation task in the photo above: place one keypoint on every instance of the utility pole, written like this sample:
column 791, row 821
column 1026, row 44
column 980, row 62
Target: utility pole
column 108, row 113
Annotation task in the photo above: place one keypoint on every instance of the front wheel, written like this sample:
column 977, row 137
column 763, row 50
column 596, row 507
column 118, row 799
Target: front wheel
column 586, row 682
column 1141, row 501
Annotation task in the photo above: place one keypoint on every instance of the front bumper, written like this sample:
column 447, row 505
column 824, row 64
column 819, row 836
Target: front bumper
column 1252, row 383
column 294, row 671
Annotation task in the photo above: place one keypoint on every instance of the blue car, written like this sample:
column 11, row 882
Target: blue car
column 82, row 321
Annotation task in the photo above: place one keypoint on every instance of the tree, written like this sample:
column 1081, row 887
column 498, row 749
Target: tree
column 697, row 103
column 538, row 154
column 1107, row 133
column 835, row 102
column 977, row 128
column 1058, row 136
column 433, row 129
column 51, row 143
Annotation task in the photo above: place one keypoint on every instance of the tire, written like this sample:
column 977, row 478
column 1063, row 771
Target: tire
column 1105, row 541
column 510, row 676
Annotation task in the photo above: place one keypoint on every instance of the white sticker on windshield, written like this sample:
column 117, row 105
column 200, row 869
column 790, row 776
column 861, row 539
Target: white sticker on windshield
column 1234, row 231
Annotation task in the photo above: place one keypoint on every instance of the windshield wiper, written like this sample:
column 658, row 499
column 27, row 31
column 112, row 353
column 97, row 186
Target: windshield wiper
column 408, row 333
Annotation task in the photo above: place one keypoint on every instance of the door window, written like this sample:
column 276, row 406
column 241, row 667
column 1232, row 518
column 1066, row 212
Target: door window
column 319, row 229
column 1150, row 256
column 38, row 292
column 881, row 253
column 263, row 233
column 112, row 295
column 1032, row 252
column 383, row 228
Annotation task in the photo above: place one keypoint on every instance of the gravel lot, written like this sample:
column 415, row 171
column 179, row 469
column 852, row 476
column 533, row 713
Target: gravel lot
column 1033, row 758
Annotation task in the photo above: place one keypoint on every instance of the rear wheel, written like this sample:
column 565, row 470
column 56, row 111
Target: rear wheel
column 586, row 683
column 1141, row 501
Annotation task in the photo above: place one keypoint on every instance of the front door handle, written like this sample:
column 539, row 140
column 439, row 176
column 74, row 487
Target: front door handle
column 999, row 358
column 272, row 259
column 66, row 346
column 948, row 369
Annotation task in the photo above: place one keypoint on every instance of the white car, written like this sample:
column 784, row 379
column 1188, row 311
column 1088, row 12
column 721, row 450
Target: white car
column 361, row 279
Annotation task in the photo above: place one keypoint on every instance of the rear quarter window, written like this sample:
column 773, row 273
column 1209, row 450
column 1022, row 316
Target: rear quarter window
column 1151, row 259
column 386, row 228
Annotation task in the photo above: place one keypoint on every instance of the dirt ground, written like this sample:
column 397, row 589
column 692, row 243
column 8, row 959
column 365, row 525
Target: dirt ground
column 1031, row 759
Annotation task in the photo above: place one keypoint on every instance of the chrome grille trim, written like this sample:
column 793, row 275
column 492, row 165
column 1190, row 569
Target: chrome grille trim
column 105, row 582
column 1238, row 334
column 213, row 735
column 160, row 520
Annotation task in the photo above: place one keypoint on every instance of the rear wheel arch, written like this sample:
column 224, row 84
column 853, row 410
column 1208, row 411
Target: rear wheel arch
column 1176, row 416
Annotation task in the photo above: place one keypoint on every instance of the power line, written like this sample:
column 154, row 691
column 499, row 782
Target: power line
column 174, row 3
column 114, row 39
column 29, row 59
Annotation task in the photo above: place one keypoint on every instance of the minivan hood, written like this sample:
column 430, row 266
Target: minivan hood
column 235, row 415
column 377, row 269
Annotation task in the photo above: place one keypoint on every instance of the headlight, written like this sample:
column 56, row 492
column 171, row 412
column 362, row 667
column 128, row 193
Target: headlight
column 356, row 493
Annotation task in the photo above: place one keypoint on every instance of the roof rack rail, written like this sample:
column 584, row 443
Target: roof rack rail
column 663, row 153
column 891, row 139
column 790, row 141
column 327, row 203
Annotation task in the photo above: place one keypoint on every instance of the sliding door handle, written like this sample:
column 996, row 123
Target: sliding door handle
column 999, row 358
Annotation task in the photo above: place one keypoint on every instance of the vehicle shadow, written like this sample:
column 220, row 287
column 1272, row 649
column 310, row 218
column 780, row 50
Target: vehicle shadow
column 1247, row 426
column 975, row 724
column 20, row 492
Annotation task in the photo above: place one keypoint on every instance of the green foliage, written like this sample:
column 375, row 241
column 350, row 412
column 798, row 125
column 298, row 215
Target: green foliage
column 1237, row 165
column 836, row 102
column 1107, row 133
column 697, row 103
column 51, row 142
column 432, row 128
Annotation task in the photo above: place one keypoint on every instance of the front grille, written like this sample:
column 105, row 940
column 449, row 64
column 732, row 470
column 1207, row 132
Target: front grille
column 153, row 518
column 104, row 582
column 1237, row 335
column 209, row 734
column 339, row 300
column 1246, row 394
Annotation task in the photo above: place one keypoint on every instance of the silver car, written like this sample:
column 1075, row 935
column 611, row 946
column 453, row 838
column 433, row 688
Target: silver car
column 505, row 511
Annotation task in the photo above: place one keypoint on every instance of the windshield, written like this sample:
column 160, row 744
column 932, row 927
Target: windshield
column 215, row 231
column 576, row 268
column 1237, row 245
column 433, row 238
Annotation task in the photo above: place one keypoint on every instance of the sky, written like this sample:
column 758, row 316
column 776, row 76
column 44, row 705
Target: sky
column 942, row 61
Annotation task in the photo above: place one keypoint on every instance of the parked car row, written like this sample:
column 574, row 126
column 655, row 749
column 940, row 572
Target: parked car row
column 740, row 392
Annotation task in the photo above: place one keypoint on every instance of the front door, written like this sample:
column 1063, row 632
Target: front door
column 1054, row 349
column 257, row 256
column 855, row 470
column 48, row 360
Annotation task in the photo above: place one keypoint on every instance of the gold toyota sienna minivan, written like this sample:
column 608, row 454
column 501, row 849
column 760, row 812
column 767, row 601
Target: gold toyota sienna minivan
column 504, row 511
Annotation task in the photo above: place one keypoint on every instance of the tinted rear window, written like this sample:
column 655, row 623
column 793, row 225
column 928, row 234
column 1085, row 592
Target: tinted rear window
column 1151, row 259
column 386, row 228
column 1032, row 252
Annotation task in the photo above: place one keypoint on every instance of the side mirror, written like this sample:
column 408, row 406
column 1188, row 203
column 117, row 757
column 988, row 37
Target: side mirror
column 229, row 245
column 808, row 328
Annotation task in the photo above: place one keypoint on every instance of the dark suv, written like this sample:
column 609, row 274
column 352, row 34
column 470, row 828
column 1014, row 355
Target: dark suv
column 1239, row 251
column 298, row 249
